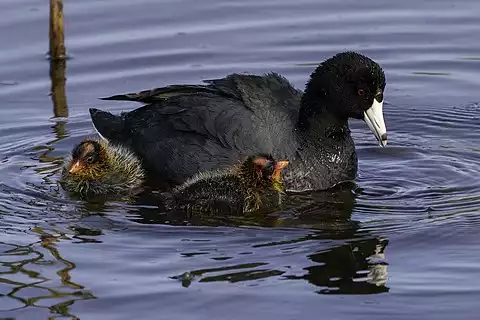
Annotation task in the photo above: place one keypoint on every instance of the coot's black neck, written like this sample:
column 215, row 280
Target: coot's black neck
column 325, row 148
column 315, row 122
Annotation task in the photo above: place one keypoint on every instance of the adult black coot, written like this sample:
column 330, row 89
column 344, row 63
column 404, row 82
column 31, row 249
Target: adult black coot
column 186, row 129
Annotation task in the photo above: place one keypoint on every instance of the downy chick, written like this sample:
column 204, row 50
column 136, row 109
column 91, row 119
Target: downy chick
column 254, row 185
column 96, row 167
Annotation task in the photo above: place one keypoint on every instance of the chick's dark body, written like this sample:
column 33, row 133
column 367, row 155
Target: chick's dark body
column 204, row 196
column 225, row 194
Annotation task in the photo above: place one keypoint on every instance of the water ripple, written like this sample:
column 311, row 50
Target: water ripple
column 395, row 230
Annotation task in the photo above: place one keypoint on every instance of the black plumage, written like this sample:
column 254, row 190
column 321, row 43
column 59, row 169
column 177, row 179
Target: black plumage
column 185, row 129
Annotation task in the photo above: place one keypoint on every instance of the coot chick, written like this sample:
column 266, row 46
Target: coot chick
column 184, row 129
column 256, row 184
column 97, row 167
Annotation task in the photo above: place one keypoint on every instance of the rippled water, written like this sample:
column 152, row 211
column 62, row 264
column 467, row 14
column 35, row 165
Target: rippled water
column 400, row 244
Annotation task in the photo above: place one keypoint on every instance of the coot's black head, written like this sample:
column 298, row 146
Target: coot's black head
column 348, row 85
column 263, row 169
column 87, row 157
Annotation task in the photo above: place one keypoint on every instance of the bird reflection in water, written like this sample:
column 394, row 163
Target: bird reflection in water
column 26, row 271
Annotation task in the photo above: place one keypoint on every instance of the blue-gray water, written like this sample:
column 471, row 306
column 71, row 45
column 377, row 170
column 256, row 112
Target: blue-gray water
column 403, row 245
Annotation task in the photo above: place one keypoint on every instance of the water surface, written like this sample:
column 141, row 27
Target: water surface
column 401, row 244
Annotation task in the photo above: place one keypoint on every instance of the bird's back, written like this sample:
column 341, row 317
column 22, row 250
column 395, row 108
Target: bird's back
column 188, row 129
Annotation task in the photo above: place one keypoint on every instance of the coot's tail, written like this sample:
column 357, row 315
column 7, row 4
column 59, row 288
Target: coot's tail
column 110, row 127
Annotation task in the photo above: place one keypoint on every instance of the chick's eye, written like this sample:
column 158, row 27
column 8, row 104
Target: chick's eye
column 361, row 92
column 90, row 159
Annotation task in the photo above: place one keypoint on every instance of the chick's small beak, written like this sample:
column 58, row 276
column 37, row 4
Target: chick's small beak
column 75, row 167
column 373, row 116
column 279, row 166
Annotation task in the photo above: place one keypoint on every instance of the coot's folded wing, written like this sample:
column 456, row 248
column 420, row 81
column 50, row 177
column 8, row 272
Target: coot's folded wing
column 268, row 92
column 186, row 129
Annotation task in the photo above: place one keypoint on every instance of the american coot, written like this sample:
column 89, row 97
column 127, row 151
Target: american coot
column 256, row 184
column 185, row 129
column 97, row 167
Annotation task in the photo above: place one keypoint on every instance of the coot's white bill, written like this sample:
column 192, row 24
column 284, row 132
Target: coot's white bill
column 374, row 118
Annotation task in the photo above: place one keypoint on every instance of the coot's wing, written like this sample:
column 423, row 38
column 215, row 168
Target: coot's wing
column 159, row 94
column 183, row 135
column 187, row 129
column 268, row 92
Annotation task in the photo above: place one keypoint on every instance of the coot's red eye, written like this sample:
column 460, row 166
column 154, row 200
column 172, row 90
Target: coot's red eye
column 361, row 92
